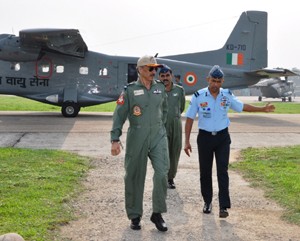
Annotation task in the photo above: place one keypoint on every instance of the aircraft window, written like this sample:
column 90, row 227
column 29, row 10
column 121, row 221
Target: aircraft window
column 103, row 72
column 59, row 69
column 45, row 68
column 16, row 66
column 84, row 70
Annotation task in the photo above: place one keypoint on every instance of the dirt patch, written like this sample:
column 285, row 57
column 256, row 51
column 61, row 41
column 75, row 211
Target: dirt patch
column 101, row 212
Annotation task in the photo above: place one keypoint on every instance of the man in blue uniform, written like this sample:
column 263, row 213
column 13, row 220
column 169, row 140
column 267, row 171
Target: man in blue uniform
column 144, row 103
column 212, row 105
column 176, row 104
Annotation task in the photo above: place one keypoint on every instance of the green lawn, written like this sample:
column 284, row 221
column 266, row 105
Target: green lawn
column 277, row 171
column 35, row 189
column 14, row 103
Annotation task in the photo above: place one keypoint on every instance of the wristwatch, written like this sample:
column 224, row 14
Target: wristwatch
column 114, row 141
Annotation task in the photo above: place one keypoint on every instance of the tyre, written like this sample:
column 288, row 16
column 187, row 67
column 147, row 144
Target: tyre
column 70, row 109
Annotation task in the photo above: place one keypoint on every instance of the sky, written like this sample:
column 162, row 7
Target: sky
column 167, row 27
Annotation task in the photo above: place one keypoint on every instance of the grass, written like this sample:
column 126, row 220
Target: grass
column 14, row 103
column 37, row 185
column 35, row 188
column 277, row 171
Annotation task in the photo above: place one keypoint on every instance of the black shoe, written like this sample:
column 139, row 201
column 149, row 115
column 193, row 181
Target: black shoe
column 160, row 224
column 223, row 213
column 207, row 208
column 135, row 223
column 171, row 184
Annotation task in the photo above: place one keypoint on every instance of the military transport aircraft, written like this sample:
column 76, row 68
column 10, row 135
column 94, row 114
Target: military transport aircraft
column 54, row 66
column 279, row 87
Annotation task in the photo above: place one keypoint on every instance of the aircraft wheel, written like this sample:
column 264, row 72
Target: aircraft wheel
column 259, row 98
column 70, row 109
column 290, row 99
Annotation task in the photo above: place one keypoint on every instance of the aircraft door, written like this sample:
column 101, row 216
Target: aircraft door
column 131, row 73
column 126, row 74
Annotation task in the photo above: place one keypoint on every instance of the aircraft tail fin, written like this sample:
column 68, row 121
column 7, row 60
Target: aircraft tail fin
column 245, row 49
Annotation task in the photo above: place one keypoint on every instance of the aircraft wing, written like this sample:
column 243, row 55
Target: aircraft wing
column 272, row 73
column 65, row 41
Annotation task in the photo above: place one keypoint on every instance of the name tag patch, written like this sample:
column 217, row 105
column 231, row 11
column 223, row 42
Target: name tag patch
column 138, row 92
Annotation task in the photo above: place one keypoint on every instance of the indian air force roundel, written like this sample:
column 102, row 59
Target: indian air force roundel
column 190, row 78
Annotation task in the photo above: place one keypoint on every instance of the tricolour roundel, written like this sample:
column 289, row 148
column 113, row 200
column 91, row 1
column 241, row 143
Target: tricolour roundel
column 190, row 78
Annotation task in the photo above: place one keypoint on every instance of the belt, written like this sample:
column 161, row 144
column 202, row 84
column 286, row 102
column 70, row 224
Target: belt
column 214, row 133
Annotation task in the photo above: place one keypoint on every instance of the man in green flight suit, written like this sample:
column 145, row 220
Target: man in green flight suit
column 144, row 103
column 176, row 104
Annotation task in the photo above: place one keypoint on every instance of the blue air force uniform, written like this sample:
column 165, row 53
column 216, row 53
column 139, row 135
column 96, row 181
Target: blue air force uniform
column 213, row 138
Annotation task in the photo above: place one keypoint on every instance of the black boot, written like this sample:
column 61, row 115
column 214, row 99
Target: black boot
column 135, row 223
column 160, row 224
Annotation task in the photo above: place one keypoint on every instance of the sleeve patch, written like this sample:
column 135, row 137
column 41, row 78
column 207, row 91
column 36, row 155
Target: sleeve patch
column 120, row 101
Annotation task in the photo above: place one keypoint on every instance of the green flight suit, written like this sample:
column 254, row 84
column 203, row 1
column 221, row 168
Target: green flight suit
column 176, row 105
column 146, row 111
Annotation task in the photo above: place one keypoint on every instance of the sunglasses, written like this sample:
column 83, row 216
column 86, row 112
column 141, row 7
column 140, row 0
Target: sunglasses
column 152, row 68
column 165, row 75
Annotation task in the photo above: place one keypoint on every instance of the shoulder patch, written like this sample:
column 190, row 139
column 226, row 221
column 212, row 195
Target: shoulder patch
column 120, row 100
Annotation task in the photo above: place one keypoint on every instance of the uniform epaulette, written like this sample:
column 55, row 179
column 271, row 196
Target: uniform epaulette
column 129, row 84
column 227, row 91
column 199, row 92
column 196, row 94
column 159, row 82
column 180, row 86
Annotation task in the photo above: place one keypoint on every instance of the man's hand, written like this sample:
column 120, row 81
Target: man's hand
column 269, row 108
column 115, row 148
column 188, row 148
